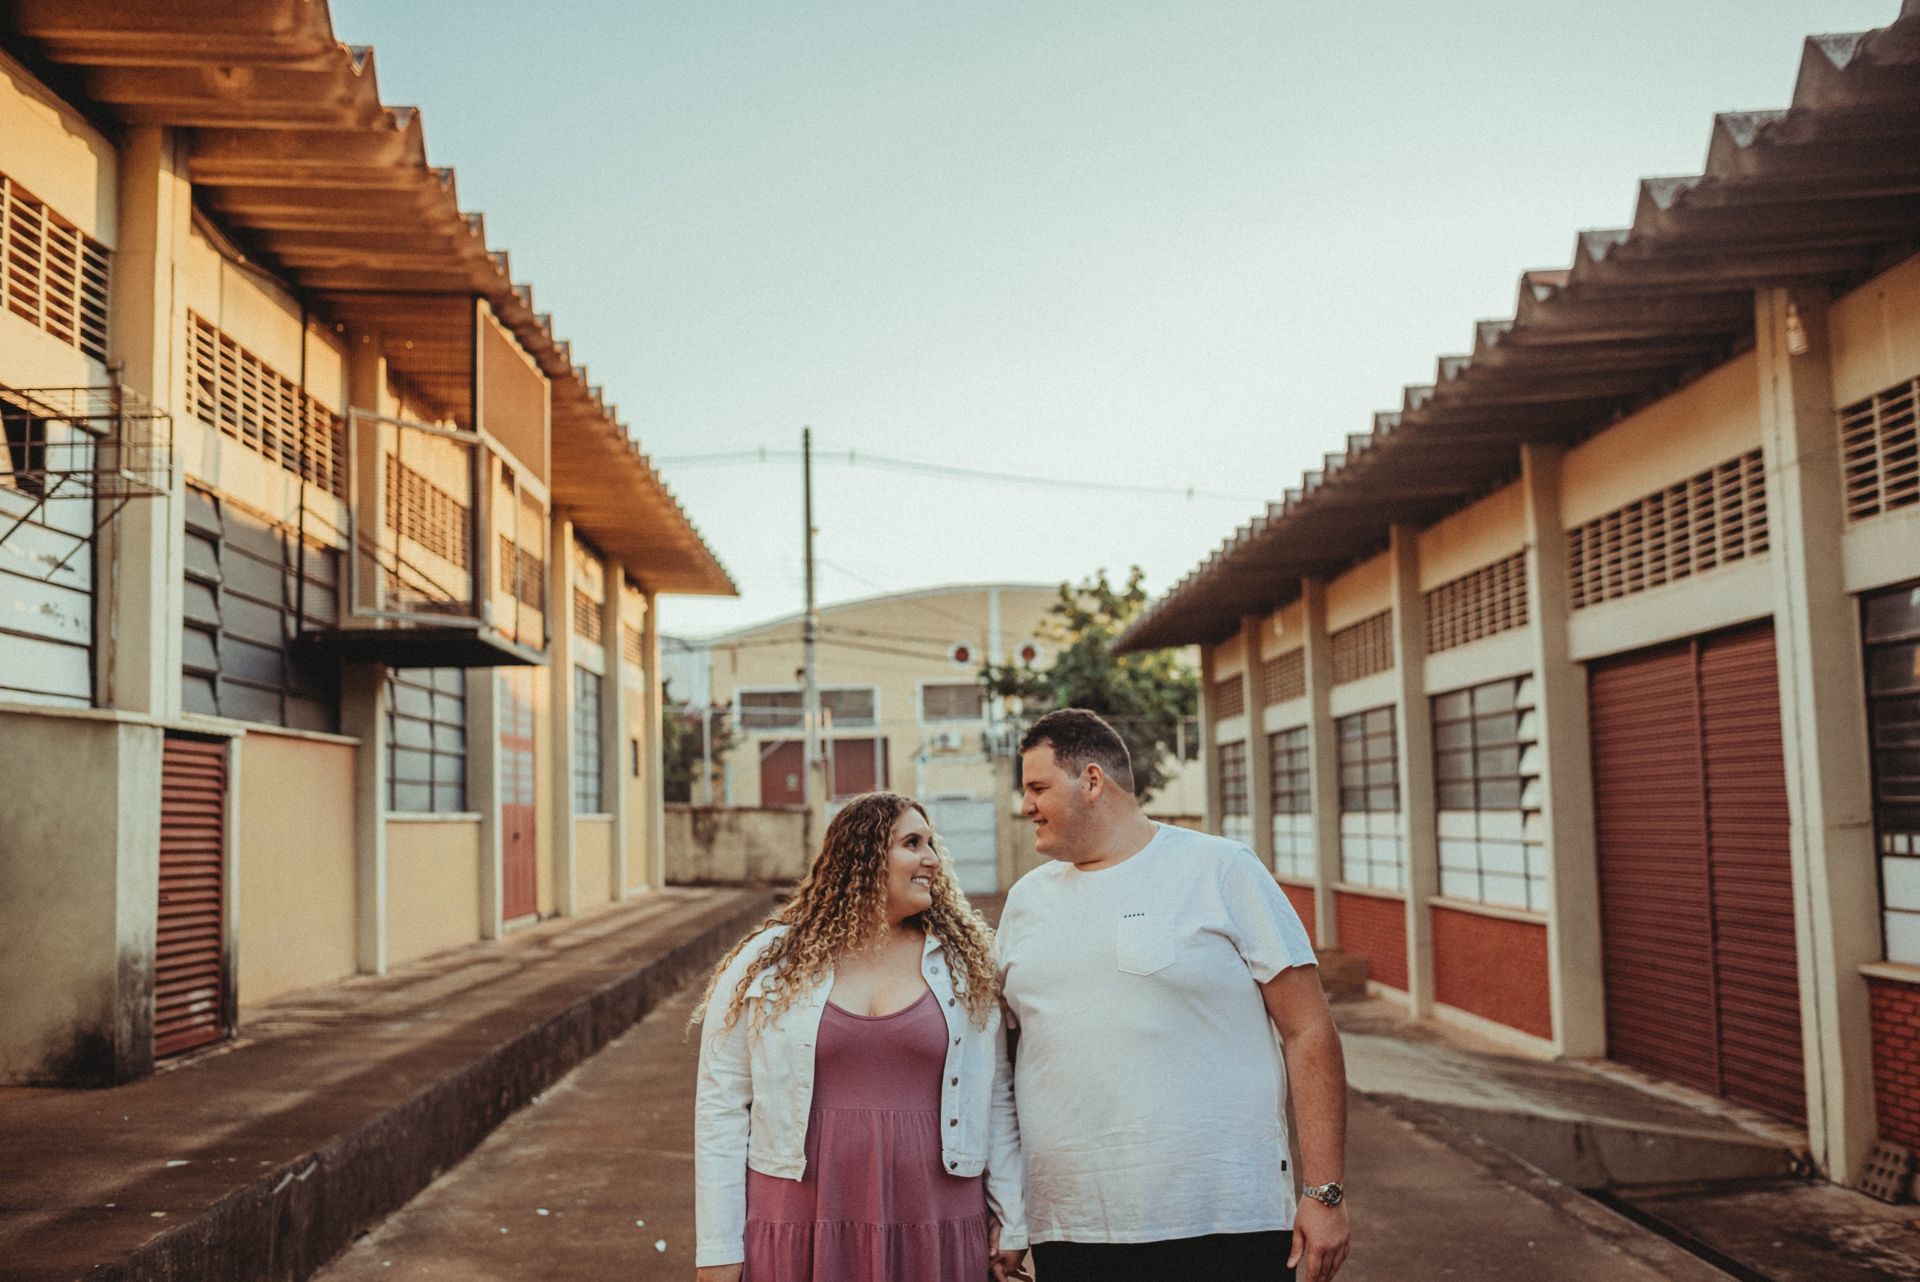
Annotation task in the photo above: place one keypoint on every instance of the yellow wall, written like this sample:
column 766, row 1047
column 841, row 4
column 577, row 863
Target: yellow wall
column 1712, row 419
column 639, row 861
column 1360, row 593
column 1874, row 334
column 295, row 917
column 1289, row 635
column 1477, row 535
column 433, row 885
column 592, row 862
column 545, row 813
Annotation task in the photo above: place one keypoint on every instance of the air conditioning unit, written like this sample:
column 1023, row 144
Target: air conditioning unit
column 947, row 741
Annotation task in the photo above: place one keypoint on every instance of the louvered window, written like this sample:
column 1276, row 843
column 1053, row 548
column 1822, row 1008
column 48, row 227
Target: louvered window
column 1706, row 521
column 952, row 701
column 1371, row 852
column 1487, row 601
column 1363, row 648
column 1290, row 779
column 1229, row 697
column 589, row 794
column 586, row 616
column 234, row 391
column 1235, row 817
column 1487, row 779
column 1891, row 625
column 427, row 740
column 589, row 591
column 523, row 574
column 630, row 646
column 419, row 510
column 1880, row 450
column 52, row 274
column 1283, row 678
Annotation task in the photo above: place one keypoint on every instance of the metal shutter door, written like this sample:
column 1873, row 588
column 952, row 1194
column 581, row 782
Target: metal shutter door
column 1757, row 971
column 1650, row 838
column 189, row 987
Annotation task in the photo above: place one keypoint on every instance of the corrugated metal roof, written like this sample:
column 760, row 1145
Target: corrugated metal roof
column 293, row 153
column 1825, row 193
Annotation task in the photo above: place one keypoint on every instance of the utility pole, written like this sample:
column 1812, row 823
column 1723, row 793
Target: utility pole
column 813, row 775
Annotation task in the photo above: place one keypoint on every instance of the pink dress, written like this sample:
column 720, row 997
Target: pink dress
column 876, row 1204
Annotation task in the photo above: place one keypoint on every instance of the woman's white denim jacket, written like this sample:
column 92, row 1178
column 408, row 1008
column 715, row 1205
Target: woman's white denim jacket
column 756, row 1090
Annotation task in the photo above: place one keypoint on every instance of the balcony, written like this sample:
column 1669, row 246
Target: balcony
column 448, row 550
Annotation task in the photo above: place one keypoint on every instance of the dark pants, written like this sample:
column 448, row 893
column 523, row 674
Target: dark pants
column 1232, row 1257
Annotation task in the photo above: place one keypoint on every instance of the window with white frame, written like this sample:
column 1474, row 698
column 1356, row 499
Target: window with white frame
column 589, row 796
column 1236, row 820
column 783, row 708
column 1891, row 627
column 1372, row 852
column 1487, row 788
column 1290, row 781
column 427, row 740
column 952, row 701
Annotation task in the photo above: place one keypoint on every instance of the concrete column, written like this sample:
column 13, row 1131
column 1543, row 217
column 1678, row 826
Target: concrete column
column 363, row 715
column 613, row 727
column 483, row 790
column 1823, row 724
column 137, row 623
column 1566, row 769
column 655, row 818
column 1209, row 759
column 1259, row 773
column 1323, row 758
column 1416, row 766
column 560, row 673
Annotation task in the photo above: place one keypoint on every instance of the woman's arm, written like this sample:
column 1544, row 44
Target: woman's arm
column 720, row 1112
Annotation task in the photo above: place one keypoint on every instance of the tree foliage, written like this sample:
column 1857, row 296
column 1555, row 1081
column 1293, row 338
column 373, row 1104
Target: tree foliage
column 1145, row 695
column 680, row 744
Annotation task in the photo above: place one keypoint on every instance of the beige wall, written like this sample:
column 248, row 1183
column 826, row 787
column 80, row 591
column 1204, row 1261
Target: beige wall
column 639, row 855
column 50, row 149
column 1477, row 535
column 296, row 863
column 735, row 844
column 433, row 886
column 1360, row 593
column 592, row 862
column 1874, row 334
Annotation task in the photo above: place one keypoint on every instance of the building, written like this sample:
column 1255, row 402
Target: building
column 1581, row 694
column 327, row 579
column 902, row 707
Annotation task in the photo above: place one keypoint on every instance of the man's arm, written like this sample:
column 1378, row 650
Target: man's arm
column 1317, row 1077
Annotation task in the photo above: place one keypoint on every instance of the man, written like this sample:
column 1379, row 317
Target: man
column 1148, row 968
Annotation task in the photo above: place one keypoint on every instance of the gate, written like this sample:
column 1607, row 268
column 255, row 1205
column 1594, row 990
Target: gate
column 190, row 993
column 964, row 829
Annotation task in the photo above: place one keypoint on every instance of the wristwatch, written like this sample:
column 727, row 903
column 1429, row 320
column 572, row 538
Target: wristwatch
column 1331, row 1193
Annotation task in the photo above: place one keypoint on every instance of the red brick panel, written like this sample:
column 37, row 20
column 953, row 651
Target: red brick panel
column 1896, row 1059
column 1301, row 897
column 1378, row 928
column 1493, row 967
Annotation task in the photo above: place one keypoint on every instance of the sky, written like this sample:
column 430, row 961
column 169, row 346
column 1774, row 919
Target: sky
column 1144, row 263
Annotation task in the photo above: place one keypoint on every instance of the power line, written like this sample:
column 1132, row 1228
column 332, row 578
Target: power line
column 884, row 462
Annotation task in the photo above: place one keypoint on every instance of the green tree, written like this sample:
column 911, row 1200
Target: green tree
column 1145, row 695
column 680, row 743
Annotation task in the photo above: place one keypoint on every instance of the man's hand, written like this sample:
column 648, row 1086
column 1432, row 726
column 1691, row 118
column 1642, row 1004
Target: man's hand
column 719, row 1273
column 1004, row 1266
column 1320, row 1239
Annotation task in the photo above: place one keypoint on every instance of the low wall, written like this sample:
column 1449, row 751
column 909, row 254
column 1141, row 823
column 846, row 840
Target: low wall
column 707, row 844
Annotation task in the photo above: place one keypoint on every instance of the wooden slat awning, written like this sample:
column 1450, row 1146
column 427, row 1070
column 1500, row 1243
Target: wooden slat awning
column 301, row 164
column 1825, row 193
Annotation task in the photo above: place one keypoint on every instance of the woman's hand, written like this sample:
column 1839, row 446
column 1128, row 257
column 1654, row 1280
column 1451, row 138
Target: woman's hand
column 719, row 1273
column 1003, row 1266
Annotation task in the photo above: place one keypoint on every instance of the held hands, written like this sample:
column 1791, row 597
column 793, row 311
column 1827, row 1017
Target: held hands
column 1003, row 1266
column 1319, row 1240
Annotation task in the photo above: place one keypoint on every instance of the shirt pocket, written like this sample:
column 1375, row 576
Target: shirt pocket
column 1142, row 943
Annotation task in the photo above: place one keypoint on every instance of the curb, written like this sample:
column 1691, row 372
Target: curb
column 293, row 1220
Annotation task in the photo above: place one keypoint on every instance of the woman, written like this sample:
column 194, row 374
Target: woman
column 854, row 1121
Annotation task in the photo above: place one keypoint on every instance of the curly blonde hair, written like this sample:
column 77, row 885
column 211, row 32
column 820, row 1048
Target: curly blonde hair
column 842, row 904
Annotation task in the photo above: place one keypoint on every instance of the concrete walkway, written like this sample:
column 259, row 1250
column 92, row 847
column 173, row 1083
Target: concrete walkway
column 264, row 1159
column 596, row 1182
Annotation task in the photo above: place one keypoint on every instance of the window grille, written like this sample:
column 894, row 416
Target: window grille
column 631, row 648
column 1880, row 451
column 522, row 574
column 589, row 796
column 1371, row 852
column 1290, row 780
column 1706, row 521
column 1363, row 648
column 1229, row 697
column 1235, row 812
column 1487, row 779
column 1486, row 601
column 849, row 707
column 587, row 619
column 52, row 274
column 1283, row 677
column 771, row 709
column 1891, row 626
column 419, row 510
column 234, row 391
column 952, row 701
column 427, row 740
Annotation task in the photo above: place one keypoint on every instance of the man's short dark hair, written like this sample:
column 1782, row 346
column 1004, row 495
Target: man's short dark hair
column 1078, row 737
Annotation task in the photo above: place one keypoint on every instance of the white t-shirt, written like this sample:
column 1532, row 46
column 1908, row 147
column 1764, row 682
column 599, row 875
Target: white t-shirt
column 1149, row 1082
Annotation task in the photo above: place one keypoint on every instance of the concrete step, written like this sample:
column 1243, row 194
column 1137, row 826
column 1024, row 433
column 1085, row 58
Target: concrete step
column 335, row 1106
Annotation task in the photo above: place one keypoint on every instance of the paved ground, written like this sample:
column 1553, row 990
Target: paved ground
column 595, row 1182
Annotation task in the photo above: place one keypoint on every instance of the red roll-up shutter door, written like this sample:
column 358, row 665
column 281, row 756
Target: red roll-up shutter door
column 189, row 985
column 1696, row 890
